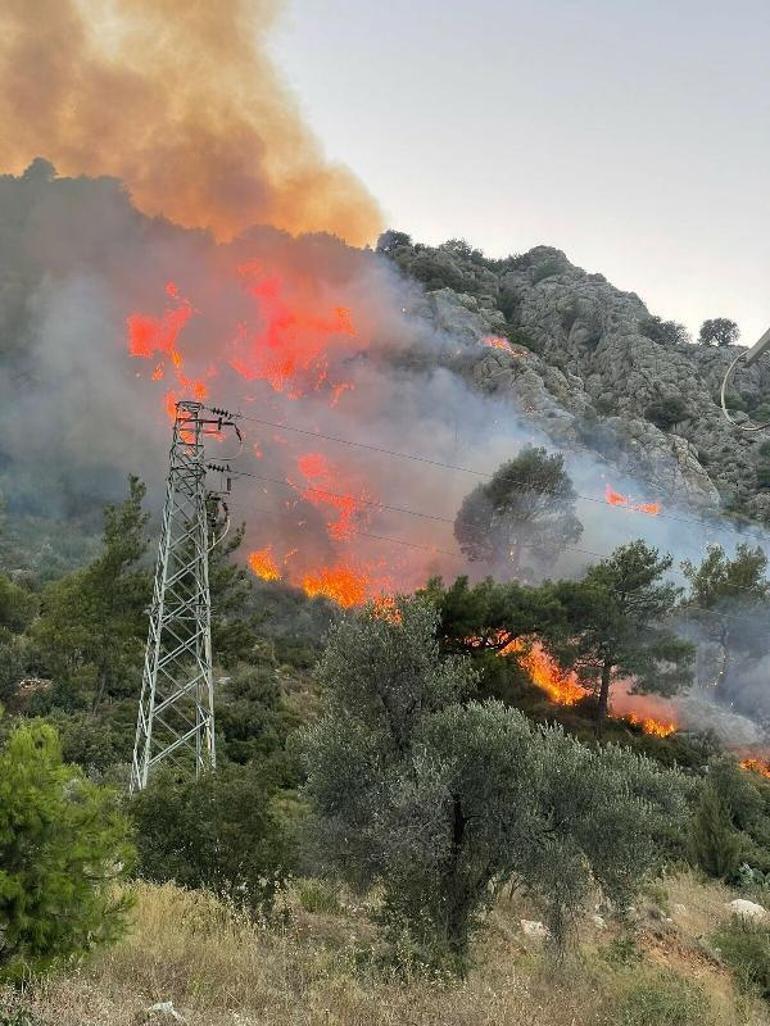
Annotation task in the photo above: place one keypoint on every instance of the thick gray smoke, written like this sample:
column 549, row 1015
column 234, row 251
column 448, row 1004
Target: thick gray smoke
column 78, row 411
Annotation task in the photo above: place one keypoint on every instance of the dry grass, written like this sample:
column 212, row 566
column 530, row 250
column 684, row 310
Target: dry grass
column 317, row 970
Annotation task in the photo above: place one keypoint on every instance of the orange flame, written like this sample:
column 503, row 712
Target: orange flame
column 290, row 345
column 756, row 765
column 149, row 335
column 496, row 342
column 561, row 686
column 614, row 498
column 263, row 564
column 650, row 725
column 315, row 467
column 341, row 584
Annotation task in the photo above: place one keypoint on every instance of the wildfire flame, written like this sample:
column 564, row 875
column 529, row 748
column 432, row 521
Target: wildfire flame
column 660, row 728
column 561, row 686
column 614, row 498
column 495, row 342
column 150, row 336
column 756, row 765
column 341, row 584
column 289, row 347
column 262, row 563
column 317, row 469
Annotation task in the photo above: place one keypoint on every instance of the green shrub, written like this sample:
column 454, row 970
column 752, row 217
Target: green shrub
column 18, row 1017
column 719, row 331
column 667, row 333
column 63, row 843
column 665, row 413
column 606, row 406
column 763, row 475
column 716, row 845
column 221, row 832
column 735, row 402
column 318, row 896
column 547, row 269
column 745, row 946
column 658, row 999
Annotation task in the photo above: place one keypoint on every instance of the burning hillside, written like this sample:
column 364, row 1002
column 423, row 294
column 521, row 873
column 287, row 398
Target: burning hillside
column 371, row 405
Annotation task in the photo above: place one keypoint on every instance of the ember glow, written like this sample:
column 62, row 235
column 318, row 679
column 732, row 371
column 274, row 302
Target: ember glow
column 614, row 498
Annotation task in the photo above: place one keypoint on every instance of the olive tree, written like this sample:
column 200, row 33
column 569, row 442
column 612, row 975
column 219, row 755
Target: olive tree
column 440, row 801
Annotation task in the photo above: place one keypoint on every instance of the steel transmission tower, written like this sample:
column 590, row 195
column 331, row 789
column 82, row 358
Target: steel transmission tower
column 176, row 707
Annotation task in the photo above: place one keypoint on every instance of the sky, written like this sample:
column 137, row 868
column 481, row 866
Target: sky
column 632, row 134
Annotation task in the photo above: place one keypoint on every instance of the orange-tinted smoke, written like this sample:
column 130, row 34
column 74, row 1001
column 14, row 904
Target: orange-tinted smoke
column 180, row 100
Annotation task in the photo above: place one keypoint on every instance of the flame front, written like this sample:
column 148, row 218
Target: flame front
column 323, row 478
column 756, row 765
column 652, row 509
column 262, row 563
column 660, row 728
column 289, row 346
column 341, row 584
column 561, row 686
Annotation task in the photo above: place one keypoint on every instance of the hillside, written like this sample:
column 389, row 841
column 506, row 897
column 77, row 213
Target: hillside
column 595, row 370
column 208, row 966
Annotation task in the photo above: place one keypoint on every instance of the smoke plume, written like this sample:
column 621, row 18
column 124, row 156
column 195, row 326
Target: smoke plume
column 181, row 101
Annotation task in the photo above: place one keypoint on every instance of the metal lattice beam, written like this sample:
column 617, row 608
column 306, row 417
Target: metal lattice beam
column 176, row 707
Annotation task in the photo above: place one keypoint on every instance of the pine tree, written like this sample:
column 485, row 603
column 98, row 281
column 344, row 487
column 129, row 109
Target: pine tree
column 715, row 844
column 63, row 844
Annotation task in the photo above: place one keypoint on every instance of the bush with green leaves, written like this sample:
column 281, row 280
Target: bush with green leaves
column 745, row 945
column 715, row 844
column 665, row 413
column 439, row 801
column 221, row 832
column 657, row 998
column 548, row 268
column 667, row 333
column 63, row 845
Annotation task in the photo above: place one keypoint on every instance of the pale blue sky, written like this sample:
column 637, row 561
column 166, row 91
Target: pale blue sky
column 633, row 135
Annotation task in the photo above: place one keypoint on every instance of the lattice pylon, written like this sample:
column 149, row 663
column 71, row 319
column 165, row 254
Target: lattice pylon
column 176, row 707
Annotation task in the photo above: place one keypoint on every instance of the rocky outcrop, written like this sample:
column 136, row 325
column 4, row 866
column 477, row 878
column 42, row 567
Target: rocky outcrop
column 586, row 366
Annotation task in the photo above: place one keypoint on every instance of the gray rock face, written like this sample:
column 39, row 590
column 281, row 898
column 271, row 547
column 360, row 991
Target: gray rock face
column 589, row 375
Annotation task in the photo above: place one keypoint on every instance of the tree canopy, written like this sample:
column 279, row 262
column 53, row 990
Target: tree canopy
column 439, row 801
column 719, row 331
column 63, row 845
column 524, row 515
column 618, row 617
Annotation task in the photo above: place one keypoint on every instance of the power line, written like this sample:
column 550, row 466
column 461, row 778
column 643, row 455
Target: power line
column 415, row 457
column 397, row 509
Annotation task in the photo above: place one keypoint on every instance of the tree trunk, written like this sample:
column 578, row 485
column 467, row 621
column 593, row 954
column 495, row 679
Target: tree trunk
column 725, row 653
column 604, row 694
